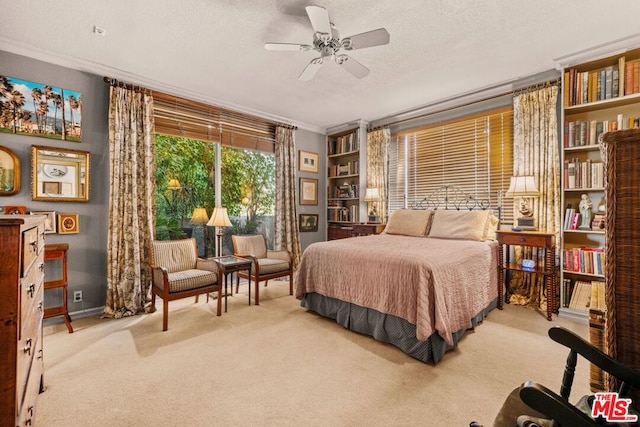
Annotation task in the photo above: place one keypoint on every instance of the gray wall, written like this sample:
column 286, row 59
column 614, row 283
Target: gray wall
column 88, row 249
column 87, row 256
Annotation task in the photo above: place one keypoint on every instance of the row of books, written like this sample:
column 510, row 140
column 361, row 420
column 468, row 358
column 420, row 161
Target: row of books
column 589, row 260
column 342, row 213
column 347, row 191
column 344, row 144
column 582, row 295
column 580, row 133
column 609, row 82
column 349, row 168
column 583, row 174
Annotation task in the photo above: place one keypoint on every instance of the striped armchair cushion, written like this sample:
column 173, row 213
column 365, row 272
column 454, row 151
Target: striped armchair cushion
column 191, row 279
column 175, row 255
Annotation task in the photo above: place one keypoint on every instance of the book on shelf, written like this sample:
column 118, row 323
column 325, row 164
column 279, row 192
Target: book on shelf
column 589, row 260
column 583, row 174
column 597, row 301
column 599, row 222
column 581, row 296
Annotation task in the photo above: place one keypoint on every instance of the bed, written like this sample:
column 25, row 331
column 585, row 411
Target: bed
column 428, row 278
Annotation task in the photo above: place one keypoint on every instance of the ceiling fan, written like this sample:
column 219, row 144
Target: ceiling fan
column 326, row 40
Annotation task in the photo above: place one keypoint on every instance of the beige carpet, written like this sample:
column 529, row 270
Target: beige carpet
column 278, row 365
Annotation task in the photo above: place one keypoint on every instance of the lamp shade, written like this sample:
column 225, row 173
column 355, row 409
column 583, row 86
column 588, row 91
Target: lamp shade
column 523, row 186
column 219, row 218
column 173, row 184
column 372, row 194
column 199, row 216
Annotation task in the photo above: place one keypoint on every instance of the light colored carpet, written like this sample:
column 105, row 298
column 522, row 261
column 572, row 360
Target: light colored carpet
column 278, row 365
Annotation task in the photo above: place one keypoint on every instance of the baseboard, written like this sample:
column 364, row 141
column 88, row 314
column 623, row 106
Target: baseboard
column 91, row 312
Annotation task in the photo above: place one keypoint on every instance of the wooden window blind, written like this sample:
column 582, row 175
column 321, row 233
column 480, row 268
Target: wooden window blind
column 190, row 119
column 474, row 153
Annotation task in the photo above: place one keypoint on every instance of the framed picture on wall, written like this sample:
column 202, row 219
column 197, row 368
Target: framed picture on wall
column 308, row 222
column 68, row 224
column 9, row 172
column 307, row 161
column 50, row 224
column 308, row 191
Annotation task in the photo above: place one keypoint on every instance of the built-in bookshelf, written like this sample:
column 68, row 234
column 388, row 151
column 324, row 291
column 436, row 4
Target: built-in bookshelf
column 598, row 96
column 343, row 182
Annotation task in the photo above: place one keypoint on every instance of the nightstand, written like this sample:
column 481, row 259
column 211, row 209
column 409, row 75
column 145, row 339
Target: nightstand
column 367, row 229
column 535, row 239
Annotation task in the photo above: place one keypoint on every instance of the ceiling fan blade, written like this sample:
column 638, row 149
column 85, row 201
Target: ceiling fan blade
column 352, row 66
column 369, row 39
column 287, row 46
column 319, row 17
column 311, row 69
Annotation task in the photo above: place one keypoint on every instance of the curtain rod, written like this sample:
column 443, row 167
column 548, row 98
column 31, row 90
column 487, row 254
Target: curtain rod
column 514, row 92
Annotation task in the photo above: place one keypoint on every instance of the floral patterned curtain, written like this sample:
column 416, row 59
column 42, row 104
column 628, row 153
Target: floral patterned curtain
column 131, row 201
column 377, row 166
column 536, row 153
column 285, row 222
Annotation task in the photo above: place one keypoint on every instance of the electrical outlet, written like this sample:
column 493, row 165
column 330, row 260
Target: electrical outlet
column 77, row 296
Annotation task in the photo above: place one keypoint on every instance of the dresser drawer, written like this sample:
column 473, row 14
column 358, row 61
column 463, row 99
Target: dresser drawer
column 31, row 293
column 27, row 399
column 28, row 351
column 32, row 246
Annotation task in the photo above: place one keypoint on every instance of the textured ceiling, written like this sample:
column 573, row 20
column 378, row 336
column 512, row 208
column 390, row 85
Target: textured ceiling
column 212, row 50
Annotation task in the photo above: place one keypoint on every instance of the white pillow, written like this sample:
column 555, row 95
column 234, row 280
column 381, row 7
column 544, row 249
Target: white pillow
column 409, row 222
column 464, row 224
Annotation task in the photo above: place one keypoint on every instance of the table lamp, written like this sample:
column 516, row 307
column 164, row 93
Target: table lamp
column 524, row 187
column 219, row 219
column 371, row 196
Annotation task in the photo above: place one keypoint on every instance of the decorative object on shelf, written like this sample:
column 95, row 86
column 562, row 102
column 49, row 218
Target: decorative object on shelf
column 15, row 210
column 61, row 175
column 50, row 224
column 9, row 172
column 308, row 222
column 65, row 127
column 372, row 196
column 68, row 224
column 585, row 212
column 219, row 219
column 308, row 191
column 525, row 187
column 307, row 161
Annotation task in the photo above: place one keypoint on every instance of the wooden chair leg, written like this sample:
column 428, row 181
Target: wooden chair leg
column 219, row 308
column 153, row 301
column 291, row 283
column 237, row 282
column 257, row 292
column 165, row 314
column 197, row 298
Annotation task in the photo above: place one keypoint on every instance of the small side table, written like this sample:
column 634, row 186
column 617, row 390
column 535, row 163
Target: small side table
column 536, row 239
column 229, row 264
column 367, row 229
column 53, row 252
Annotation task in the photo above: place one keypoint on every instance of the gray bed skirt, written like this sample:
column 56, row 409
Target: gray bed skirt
column 386, row 327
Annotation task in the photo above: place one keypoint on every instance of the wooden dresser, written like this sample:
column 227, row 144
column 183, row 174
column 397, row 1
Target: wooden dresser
column 21, row 312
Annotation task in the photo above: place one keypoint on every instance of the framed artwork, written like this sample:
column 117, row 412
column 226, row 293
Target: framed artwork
column 9, row 172
column 60, row 175
column 68, row 223
column 63, row 117
column 15, row 210
column 307, row 161
column 50, row 224
column 308, row 191
column 308, row 222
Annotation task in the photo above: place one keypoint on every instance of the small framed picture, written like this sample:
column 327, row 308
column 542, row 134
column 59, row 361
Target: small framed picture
column 308, row 191
column 9, row 172
column 308, row 222
column 307, row 161
column 15, row 210
column 68, row 224
column 50, row 224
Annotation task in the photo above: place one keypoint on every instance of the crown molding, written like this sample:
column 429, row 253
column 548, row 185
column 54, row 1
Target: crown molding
column 615, row 47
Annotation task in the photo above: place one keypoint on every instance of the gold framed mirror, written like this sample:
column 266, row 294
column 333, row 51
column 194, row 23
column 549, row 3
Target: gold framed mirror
column 59, row 174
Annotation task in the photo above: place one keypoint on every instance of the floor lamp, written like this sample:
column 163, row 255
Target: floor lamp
column 219, row 219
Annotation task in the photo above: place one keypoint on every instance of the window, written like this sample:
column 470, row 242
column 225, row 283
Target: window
column 474, row 153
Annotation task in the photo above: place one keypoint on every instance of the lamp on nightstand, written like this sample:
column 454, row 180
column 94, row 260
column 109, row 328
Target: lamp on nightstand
column 372, row 196
column 524, row 187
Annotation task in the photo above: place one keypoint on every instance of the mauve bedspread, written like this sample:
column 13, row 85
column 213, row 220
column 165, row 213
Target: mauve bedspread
column 436, row 284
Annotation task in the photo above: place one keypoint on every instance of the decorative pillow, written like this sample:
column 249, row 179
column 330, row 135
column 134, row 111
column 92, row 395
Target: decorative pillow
column 409, row 222
column 468, row 225
column 492, row 226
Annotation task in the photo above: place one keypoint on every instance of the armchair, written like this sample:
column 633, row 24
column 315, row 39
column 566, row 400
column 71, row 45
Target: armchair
column 177, row 272
column 533, row 404
column 266, row 264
